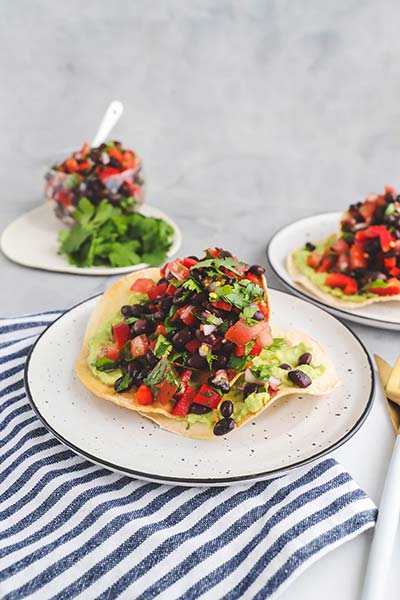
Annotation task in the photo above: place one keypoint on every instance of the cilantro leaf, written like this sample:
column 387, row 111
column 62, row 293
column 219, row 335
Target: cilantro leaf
column 228, row 262
column 106, row 364
column 192, row 285
column 163, row 347
column 163, row 371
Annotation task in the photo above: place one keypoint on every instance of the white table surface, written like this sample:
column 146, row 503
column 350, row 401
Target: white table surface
column 247, row 115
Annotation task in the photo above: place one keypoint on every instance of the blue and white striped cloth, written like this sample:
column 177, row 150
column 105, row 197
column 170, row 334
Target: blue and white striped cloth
column 70, row 529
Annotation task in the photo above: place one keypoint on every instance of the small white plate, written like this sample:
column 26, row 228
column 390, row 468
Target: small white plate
column 31, row 240
column 385, row 315
column 296, row 429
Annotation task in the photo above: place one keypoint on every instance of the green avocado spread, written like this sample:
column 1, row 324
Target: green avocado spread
column 318, row 279
column 103, row 337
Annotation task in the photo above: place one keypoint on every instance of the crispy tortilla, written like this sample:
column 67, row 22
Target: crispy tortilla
column 326, row 297
column 110, row 303
column 324, row 384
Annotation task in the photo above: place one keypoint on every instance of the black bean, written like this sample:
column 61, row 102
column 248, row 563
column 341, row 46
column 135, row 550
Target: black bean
column 136, row 310
column 224, row 254
column 220, row 383
column 220, row 362
column 299, row 378
column 181, row 338
column 227, row 347
column 126, row 310
column 193, row 257
column 305, row 359
column 165, row 303
column 285, row 367
column 198, row 299
column 180, row 297
column 197, row 362
column 199, row 409
column 258, row 315
column 310, row 246
column 127, row 384
column 140, row 327
column 162, row 280
column 151, row 359
column 257, row 270
column 249, row 388
column 226, row 408
column 224, row 426
column 208, row 339
column 159, row 315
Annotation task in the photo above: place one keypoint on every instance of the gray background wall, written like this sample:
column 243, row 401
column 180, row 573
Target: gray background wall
column 247, row 114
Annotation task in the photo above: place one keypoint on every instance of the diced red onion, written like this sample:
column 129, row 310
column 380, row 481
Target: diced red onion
column 250, row 378
column 208, row 328
column 274, row 382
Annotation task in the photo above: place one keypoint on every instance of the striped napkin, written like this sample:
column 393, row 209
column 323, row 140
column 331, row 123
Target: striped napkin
column 70, row 529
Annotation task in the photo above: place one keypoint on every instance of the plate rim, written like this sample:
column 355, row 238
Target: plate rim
column 88, row 271
column 309, row 297
column 269, row 474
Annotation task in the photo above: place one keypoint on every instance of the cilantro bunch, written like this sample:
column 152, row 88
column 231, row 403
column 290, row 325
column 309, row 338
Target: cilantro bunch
column 105, row 235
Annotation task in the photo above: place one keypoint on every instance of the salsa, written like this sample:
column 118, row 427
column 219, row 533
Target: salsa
column 364, row 260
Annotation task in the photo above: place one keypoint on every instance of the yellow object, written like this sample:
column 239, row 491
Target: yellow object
column 384, row 370
column 393, row 384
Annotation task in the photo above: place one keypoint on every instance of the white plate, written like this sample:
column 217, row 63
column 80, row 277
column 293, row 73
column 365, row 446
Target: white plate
column 294, row 431
column 385, row 315
column 31, row 240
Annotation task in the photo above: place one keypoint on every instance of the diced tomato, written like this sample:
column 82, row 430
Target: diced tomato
column 139, row 345
column 222, row 305
column 115, row 153
column 184, row 380
column 264, row 309
column 253, row 278
column 71, row 165
column 64, row 197
column 256, row 349
column 343, row 261
column 165, row 391
column 367, row 209
column 240, row 333
column 264, row 337
column 158, row 291
column 177, row 270
column 344, row 282
column 108, row 172
column 313, row 259
column 144, row 395
column 340, row 246
column 207, row 396
column 181, row 408
column 326, row 265
column 110, row 351
column 128, row 160
column 121, row 333
column 171, row 289
column 186, row 315
column 389, row 262
column 142, row 285
column 213, row 251
column 189, row 262
column 394, row 271
column 379, row 231
column 358, row 259
column 160, row 329
column 192, row 346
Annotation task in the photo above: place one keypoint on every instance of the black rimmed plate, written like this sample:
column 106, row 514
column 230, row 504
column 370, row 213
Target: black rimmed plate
column 295, row 431
column 385, row 315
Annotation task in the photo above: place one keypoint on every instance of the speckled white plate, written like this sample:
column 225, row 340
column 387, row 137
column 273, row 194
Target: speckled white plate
column 385, row 315
column 294, row 431
column 31, row 240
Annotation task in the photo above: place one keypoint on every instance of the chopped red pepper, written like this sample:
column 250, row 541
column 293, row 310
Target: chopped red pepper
column 358, row 259
column 326, row 265
column 144, row 395
column 160, row 329
column 186, row 315
column 344, row 282
column 313, row 259
column 256, row 349
column 222, row 305
column 192, row 346
column 165, row 391
column 253, row 278
column 207, row 396
column 108, row 172
column 189, row 262
column 379, row 231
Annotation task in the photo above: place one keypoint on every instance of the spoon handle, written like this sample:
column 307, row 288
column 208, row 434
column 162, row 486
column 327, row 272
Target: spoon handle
column 111, row 116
